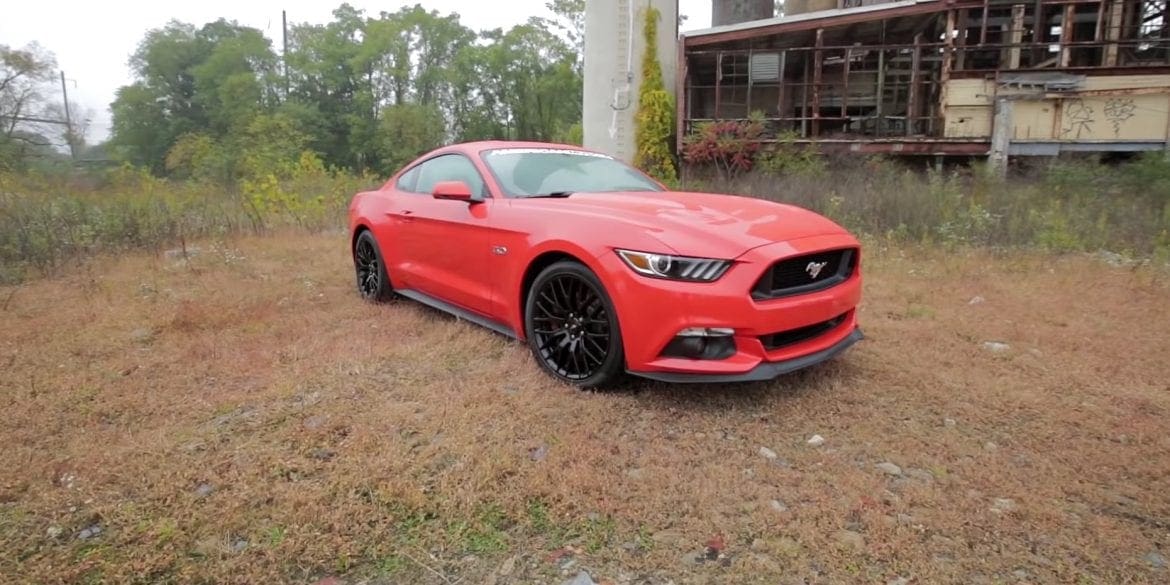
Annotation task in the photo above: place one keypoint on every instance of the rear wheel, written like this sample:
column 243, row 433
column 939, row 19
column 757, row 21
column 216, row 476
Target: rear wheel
column 572, row 327
column 373, row 283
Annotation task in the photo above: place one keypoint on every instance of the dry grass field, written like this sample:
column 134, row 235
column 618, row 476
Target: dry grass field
column 243, row 417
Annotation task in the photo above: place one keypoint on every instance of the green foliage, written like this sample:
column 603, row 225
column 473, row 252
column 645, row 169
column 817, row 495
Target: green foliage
column 198, row 157
column 47, row 219
column 786, row 157
column 351, row 86
column 574, row 135
column 407, row 131
column 654, row 120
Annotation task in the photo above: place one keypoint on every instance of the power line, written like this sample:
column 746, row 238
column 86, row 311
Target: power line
column 38, row 120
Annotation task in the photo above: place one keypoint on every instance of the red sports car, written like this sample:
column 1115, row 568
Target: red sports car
column 602, row 270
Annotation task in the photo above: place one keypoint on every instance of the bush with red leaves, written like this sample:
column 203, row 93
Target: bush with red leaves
column 730, row 145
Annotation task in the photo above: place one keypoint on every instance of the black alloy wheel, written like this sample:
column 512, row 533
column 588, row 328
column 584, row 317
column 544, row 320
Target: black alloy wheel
column 572, row 328
column 372, row 281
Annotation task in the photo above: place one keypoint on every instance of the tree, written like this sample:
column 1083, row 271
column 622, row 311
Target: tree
column 25, row 76
column 213, row 80
column 330, row 81
column 654, row 120
column 141, row 132
column 407, row 131
column 570, row 21
column 362, row 91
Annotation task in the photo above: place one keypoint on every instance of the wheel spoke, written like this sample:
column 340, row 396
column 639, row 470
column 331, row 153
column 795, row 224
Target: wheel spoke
column 595, row 361
column 600, row 348
column 582, row 370
column 552, row 313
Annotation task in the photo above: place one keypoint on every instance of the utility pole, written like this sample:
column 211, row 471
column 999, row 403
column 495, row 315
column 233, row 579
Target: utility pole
column 68, row 120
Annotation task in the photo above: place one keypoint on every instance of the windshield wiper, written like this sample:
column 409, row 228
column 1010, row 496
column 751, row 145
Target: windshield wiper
column 554, row 195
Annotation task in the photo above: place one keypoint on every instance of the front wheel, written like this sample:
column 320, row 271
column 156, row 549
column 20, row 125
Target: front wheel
column 572, row 327
column 373, row 282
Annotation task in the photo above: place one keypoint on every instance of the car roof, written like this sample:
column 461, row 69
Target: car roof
column 478, row 146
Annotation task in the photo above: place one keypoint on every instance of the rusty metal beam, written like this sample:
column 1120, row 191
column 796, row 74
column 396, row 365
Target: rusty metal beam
column 718, row 82
column 961, row 30
column 881, row 90
column 912, row 99
column 818, row 61
column 845, row 84
column 848, row 18
column 930, row 46
column 908, row 147
column 1113, row 33
column 1088, row 70
column 983, row 27
column 783, row 84
column 1130, row 91
column 1039, row 30
column 804, row 97
column 827, row 21
column 1100, row 20
column 1067, row 25
column 947, row 65
column 1016, row 36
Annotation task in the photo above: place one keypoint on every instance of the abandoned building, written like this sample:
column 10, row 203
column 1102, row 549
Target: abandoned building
column 940, row 77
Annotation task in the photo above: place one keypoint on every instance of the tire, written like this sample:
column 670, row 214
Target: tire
column 373, row 283
column 572, row 328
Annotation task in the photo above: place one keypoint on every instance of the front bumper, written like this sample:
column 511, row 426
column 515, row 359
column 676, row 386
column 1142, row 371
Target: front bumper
column 652, row 311
column 763, row 372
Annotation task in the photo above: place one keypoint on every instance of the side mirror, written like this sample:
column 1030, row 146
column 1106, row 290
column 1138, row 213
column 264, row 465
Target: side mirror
column 457, row 190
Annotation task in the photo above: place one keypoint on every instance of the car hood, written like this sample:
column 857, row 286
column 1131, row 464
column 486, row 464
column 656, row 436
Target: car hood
column 701, row 224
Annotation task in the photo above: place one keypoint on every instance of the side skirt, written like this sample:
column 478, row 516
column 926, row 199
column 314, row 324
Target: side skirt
column 457, row 311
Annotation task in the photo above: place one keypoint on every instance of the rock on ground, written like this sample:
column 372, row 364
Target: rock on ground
column 1156, row 560
column 1002, row 505
column 851, row 540
column 582, row 578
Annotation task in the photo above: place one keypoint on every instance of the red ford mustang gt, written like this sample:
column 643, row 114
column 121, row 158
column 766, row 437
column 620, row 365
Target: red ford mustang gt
column 602, row 270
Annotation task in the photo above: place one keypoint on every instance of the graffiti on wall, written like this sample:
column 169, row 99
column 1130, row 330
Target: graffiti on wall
column 1078, row 119
column 1117, row 111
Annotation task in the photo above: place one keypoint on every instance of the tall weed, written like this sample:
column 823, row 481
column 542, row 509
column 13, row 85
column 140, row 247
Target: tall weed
column 47, row 220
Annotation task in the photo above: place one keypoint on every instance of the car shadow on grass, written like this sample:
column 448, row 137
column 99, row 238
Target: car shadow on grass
column 820, row 379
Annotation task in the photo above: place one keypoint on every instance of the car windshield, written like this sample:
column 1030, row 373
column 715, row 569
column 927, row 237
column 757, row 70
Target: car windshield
column 529, row 172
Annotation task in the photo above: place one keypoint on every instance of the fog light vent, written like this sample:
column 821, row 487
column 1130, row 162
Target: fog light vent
column 702, row 343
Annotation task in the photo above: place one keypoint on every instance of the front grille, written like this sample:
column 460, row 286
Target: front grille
column 794, row 336
column 805, row 274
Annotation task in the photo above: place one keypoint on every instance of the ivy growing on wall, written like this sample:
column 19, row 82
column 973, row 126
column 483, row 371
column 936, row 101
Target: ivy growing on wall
column 654, row 120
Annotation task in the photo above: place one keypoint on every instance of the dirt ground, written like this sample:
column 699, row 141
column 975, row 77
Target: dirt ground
column 243, row 417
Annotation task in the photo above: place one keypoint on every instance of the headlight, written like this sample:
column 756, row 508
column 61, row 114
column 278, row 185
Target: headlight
column 675, row 267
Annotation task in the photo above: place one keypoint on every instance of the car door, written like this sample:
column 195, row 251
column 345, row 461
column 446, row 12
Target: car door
column 395, row 209
column 446, row 244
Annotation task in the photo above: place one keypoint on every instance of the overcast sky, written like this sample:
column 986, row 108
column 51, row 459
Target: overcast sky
column 93, row 40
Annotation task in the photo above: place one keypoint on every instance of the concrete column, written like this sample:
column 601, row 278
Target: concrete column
column 1001, row 137
column 613, row 69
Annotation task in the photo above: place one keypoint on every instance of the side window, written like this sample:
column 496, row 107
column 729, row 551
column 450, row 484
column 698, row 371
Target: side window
column 449, row 167
column 408, row 180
